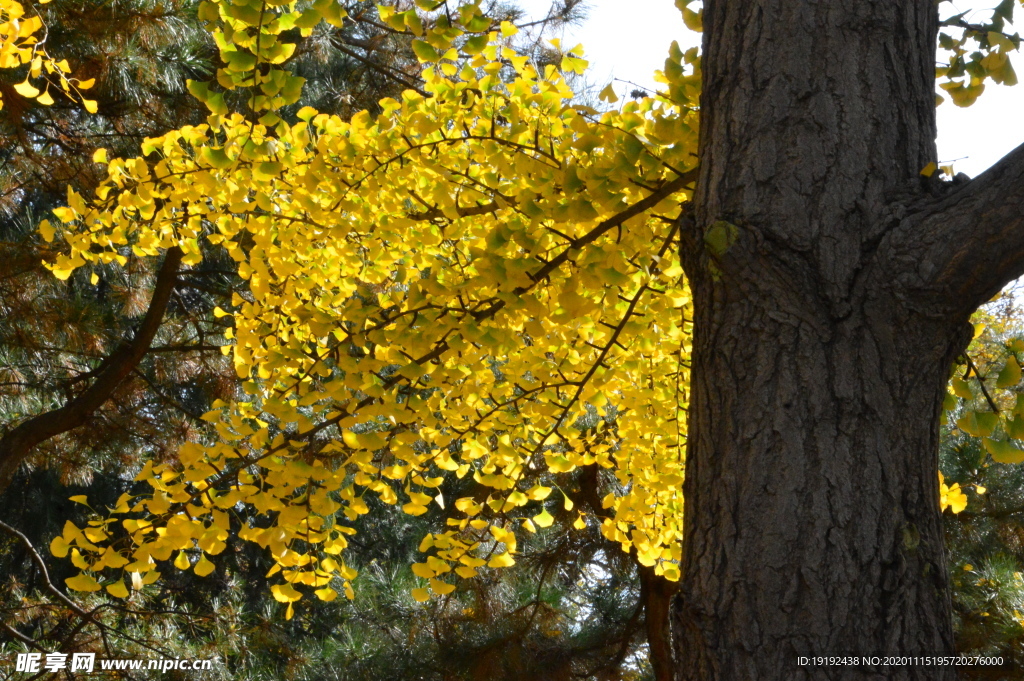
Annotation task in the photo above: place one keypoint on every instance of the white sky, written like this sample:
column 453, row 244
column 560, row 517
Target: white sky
column 629, row 39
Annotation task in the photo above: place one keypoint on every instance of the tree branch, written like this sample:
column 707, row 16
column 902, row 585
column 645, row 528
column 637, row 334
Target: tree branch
column 86, row 615
column 969, row 244
column 16, row 445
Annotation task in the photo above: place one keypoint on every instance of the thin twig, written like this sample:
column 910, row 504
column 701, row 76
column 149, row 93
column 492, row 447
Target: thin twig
column 981, row 382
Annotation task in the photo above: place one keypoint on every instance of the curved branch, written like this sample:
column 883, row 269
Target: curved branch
column 16, row 445
column 962, row 249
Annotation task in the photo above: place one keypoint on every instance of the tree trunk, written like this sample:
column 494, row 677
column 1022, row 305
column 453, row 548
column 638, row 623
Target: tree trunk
column 812, row 523
column 823, row 341
column 656, row 594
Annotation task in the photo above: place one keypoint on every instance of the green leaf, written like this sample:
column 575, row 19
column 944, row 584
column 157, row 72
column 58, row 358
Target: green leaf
column 1003, row 451
column 216, row 104
column 216, row 158
column 292, row 89
column 200, row 90
column 475, row 45
column 694, row 20
column 962, row 388
column 248, row 14
column 978, row 424
column 308, row 19
column 720, row 236
column 208, row 12
column 424, row 51
column 1010, row 375
column 413, row 21
column 239, row 61
column 1014, row 427
column 478, row 23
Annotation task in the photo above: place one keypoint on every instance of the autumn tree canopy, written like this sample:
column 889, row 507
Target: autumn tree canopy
column 366, row 329
column 485, row 278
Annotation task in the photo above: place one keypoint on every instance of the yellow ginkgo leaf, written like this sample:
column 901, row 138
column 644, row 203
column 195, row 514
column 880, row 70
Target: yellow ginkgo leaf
column 117, row 589
column 499, row 271
column 538, row 492
column 78, row 560
column 326, row 594
column 421, row 570
column 501, row 561
column 203, row 567
column 26, row 89
column 59, row 547
column 413, row 508
column 46, row 229
column 285, row 593
column 441, row 588
column 82, row 582
column 181, row 561
column 421, row 595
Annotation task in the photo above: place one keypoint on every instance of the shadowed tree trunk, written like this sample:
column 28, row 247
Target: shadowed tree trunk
column 832, row 287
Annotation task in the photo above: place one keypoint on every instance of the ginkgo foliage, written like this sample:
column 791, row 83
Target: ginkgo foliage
column 480, row 280
column 20, row 44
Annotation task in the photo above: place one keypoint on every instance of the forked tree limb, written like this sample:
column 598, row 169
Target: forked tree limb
column 17, row 444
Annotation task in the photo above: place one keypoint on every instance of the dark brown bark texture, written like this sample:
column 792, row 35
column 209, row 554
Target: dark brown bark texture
column 832, row 288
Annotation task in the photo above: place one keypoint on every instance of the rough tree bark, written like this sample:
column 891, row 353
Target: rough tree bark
column 832, row 288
